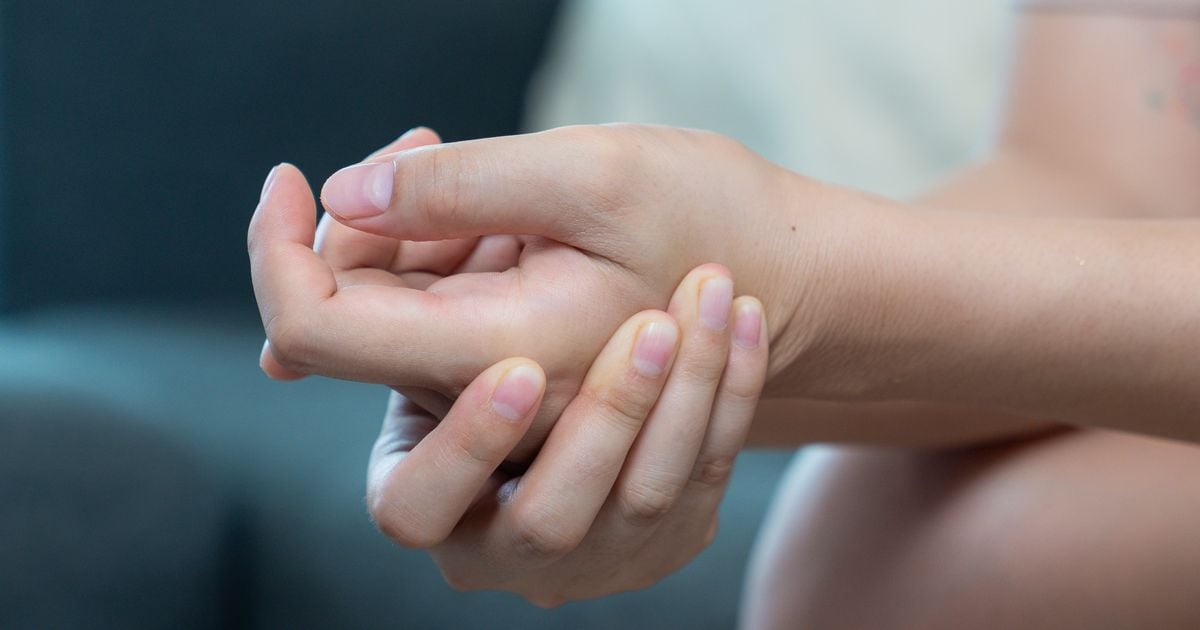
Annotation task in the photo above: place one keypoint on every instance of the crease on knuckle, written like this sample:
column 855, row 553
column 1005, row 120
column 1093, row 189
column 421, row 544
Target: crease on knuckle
column 470, row 448
column 440, row 187
column 645, row 503
column 743, row 393
column 700, row 371
column 713, row 472
column 537, row 539
column 625, row 405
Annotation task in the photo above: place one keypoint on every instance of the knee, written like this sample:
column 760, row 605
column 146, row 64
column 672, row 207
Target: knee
column 1083, row 530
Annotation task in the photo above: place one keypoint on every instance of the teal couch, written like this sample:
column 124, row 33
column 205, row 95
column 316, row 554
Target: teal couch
column 150, row 476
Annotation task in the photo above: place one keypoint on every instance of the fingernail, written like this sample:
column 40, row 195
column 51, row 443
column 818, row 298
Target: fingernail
column 409, row 133
column 517, row 392
column 716, row 295
column 747, row 325
column 269, row 181
column 359, row 191
column 654, row 346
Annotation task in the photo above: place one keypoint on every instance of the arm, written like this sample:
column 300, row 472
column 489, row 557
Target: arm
column 1080, row 320
column 869, row 299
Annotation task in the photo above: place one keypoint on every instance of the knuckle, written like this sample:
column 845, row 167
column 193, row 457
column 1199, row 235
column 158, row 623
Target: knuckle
column 394, row 522
column 447, row 181
column 540, row 540
column 741, row 391
column 703, row 368
column 646, row 503
column 626, row 406
column 289, row 343
column 436, row 177
column 614, row 156
column 470, row 447
column 713, row 471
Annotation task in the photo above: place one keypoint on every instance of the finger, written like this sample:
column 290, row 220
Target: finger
column 551, row 509
column 390, row 335
column 417, row 497
column 733, row 410
column 415, row 137
column 661, row 460
column 692, row 524
column 496, row 252
column 274, row 369
column 737, row 397
column 287, row 275
column 550, row 184
column 346, row 248
column 373, row 334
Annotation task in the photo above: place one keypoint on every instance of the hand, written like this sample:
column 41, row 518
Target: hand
column 360, row 258
column 618, row 214
column 625, row 490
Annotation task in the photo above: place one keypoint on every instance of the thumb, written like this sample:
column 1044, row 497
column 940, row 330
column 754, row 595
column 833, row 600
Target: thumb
column 555, row 184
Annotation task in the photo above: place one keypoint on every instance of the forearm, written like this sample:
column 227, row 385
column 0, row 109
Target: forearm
column 1005, row 183
column 788, row 423
column 1079, row 318
column 1086, row 321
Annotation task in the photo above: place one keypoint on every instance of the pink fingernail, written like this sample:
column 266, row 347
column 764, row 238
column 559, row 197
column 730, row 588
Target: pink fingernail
column 267, row 183
column 747, row 325
column 654, row 346
column 716, row 294
column 517, row 392
column 359, row 191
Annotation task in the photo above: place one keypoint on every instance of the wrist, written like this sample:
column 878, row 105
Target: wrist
column 844, row 311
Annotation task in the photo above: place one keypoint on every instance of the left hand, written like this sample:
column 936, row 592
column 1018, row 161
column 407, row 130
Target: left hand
column 614, row 216
column 624, row 492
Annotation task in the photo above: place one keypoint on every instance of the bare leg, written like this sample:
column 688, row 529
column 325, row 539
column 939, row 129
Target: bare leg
column 1083, row 529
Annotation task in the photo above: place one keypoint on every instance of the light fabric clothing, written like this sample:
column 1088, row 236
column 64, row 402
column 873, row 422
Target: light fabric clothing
column 885, row 96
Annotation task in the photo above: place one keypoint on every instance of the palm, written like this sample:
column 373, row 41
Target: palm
column 545, row 296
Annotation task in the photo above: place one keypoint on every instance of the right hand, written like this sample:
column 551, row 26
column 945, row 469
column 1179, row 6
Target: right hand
column 625, row 490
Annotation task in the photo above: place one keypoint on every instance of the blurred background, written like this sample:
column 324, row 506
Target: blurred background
column 150, row 475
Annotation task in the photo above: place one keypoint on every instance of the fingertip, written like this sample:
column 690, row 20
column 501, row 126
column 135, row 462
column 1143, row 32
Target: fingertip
column 655, row 345
column 519, row 388
column 749, row 323
column 273, row 368
column 689, row 288
column 268, row 182
column 360, row 191
column 286, row 210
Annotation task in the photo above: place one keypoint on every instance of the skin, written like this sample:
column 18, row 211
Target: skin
column 995, row 521
column 625, row 490
column 1031, row 291
column 558, row 305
